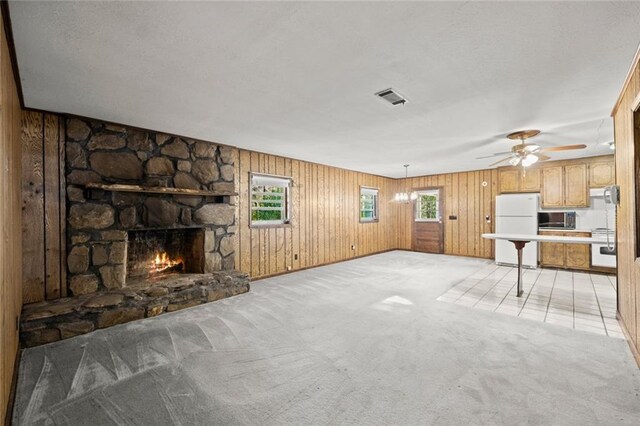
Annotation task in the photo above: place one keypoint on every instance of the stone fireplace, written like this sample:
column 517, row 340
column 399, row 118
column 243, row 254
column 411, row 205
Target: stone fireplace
column 151, row 228
column 115, row 182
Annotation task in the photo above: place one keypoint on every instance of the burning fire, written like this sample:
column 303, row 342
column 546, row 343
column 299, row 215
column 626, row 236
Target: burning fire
column 162, row 262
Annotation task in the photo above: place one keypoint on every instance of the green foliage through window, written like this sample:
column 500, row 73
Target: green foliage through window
column 269, row 202
column 427, row 206
column 368, row 204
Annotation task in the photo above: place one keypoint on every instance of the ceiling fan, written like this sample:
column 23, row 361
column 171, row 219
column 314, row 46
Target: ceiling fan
column 526, row 154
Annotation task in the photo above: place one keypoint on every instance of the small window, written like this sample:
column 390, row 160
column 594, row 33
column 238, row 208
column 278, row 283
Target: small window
column 270, row 197
column 368, row 204
column 428, row 206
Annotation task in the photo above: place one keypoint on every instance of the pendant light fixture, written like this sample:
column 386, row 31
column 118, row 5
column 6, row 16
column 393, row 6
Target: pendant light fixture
column 406, row 197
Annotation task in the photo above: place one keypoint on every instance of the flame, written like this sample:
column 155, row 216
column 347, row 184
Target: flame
column 162, row 261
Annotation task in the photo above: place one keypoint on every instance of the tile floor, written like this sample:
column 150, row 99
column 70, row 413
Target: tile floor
column 576, row 300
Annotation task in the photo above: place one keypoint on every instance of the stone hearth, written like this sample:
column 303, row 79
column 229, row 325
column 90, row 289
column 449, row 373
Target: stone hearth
column 47, row 322
column 151, row 224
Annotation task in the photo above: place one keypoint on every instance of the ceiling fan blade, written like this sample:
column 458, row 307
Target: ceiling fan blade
column 501, row 161
column 542, row 157
column 562, row 148
column 493, row 155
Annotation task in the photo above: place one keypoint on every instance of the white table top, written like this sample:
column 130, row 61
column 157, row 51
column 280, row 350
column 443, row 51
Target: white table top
column 547, row 238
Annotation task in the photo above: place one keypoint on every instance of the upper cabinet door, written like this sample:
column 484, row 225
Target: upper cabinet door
column 552, row 187
column 602, row 174
column 530, row 181
column 576, row 187
column 509, row 180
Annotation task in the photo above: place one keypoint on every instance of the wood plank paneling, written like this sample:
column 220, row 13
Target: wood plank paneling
column 324, row 223
column 44, row 220
column 10, row 223
column 33, row 265
column 52, row 202
column 466, row 198
column 627, row 142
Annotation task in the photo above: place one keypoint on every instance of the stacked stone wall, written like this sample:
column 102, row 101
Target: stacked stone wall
column 98, row 220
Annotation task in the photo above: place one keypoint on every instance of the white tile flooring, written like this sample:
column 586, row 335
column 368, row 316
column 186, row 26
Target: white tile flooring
column 576, row 300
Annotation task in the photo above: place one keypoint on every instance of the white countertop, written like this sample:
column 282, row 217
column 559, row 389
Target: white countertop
column 546, row 238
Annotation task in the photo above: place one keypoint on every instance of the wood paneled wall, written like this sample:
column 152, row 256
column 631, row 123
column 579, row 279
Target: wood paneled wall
column 464, row 197
column 628, row 264
column 10, row 223
column 324, row 224
column 43, row 189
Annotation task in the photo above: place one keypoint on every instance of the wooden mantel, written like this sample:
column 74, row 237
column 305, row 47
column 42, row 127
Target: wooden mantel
column 115, row 187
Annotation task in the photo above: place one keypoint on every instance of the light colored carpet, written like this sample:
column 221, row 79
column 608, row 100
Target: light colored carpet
column 360, row 342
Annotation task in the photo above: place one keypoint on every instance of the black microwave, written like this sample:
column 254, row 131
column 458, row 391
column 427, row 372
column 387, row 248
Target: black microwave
column 563, row 220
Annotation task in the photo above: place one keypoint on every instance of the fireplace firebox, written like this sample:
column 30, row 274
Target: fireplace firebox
column 151, row 253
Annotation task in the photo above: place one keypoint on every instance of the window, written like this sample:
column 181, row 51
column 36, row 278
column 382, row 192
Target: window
column 270, row 199
column 428, row 206
column 368, row 204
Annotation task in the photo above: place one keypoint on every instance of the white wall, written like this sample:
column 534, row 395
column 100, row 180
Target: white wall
column 592, row 217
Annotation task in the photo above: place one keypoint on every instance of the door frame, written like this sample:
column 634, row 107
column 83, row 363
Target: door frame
column 441, row 207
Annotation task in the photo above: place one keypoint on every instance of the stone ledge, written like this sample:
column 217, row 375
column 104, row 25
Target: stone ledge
column 46, row 322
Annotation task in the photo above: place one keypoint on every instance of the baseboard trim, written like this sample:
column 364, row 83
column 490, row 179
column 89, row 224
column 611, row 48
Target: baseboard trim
column 627, row 335
column 12, row 392
column 277, row 274
column 470, row 256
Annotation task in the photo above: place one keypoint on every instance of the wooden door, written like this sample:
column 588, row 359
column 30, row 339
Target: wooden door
column 509, row 180
column 552, row 254
column 428, row 228
column 552, row 186
column 602, row 174
column 530, row 180
column 576, row 188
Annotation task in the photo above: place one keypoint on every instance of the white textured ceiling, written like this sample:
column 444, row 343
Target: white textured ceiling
column 297, row 79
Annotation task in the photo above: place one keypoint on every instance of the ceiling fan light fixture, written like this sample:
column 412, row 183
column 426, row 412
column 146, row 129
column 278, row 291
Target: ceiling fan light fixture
column 528, row 153
column 529, row 160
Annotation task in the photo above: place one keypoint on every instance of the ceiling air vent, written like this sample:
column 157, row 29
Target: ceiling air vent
column 391, row 96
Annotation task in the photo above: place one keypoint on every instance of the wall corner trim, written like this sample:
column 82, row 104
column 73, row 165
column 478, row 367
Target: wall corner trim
column 632, row 68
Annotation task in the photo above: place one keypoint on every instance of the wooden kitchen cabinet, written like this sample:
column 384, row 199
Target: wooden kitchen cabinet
column 553, row 186
column 602, row 173
column 578, row 256
column 530, row 181
column 565, row 186
column 509, row 180
column 513, row 180
column 576, row 187
column 552, row 254
column 568, row 256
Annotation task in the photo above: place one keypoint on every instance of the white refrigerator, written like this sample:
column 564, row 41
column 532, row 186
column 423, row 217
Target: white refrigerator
column 517, row 214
